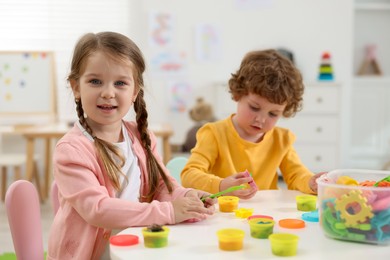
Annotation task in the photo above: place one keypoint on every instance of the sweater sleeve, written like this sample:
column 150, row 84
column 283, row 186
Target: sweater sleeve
column 77, row 171
column 294, row 172
column 196, row 174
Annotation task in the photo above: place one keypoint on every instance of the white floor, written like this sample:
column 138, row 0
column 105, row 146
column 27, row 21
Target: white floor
column 47, row 218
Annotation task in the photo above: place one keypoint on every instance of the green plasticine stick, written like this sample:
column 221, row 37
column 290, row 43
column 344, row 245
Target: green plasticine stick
column 233, row 188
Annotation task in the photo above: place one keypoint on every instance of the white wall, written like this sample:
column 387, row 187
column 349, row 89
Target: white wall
column 306, row 27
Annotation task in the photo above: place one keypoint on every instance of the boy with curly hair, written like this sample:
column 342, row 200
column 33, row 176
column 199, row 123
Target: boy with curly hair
column 266, row 87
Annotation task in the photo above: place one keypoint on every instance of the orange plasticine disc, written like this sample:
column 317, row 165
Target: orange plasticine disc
column 291, row 223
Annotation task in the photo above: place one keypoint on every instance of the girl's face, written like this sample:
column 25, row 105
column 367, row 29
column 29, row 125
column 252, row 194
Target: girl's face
column 106, row 89
column 256, row 116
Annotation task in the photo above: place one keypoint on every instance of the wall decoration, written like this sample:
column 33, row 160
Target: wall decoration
column 161, row 29
column 207, row 43
column 370, row 65
column 167, row 64
column 179, row 93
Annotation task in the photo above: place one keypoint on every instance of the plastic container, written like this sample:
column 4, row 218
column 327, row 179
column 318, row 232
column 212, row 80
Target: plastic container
column 230, row 239
column 155, row 239
column 306, row 202
column 283, row 244
column 260, row 216
column 353, row 212
column 228, row 203
column 261, row 227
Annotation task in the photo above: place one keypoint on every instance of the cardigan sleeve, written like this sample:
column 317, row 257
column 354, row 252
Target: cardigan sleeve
column 77, row 171
column 295, row 173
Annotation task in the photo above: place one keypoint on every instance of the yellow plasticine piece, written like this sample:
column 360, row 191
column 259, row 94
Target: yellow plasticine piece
column 353, row 220
column 346, row 180
column 243, row 212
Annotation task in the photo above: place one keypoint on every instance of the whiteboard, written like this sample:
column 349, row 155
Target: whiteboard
column 27, row 83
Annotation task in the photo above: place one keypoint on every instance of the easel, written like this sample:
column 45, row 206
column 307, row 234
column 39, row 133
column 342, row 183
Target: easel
column 27, row 74
column 370, row 60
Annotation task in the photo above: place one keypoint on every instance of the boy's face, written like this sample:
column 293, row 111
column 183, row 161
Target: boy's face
column 256, row 116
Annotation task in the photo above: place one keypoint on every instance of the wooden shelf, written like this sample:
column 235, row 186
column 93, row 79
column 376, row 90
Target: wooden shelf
column 372, row 79
column 372, row 6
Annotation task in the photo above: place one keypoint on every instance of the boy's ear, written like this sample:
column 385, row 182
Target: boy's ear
column 75, row 88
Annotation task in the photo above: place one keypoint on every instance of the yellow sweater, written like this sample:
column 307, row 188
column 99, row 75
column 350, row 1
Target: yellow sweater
column 221, row 152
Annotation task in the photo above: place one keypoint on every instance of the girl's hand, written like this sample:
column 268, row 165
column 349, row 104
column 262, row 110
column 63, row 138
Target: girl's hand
column 208, row 203
column 190, row 207
column 312, row 182
column 235, row 180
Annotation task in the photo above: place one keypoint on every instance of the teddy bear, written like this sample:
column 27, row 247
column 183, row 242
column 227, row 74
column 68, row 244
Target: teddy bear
column 201, row 114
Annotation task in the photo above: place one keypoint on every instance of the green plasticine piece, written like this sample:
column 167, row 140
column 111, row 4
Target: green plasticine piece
column 365, row 227
column 357, row 237
column 384, row 179
column 212, row 196
column 332, row 223
column 340, row 226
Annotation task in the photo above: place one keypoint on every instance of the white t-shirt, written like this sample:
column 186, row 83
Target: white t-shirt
column 130, row 168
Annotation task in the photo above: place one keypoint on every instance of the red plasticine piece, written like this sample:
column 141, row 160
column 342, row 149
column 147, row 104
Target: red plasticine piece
column 124, row 240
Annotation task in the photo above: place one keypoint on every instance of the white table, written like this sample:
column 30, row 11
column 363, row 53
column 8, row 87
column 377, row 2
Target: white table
column 199, row 240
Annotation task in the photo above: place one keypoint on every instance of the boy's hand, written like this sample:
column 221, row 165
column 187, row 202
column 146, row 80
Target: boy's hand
column 312, row 182
column 236, row 180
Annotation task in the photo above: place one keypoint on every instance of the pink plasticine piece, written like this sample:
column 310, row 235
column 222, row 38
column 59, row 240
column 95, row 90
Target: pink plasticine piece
column 251, row 183
column 381, row 204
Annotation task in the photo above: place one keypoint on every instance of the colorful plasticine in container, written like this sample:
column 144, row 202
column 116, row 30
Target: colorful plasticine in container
column 228, row 203
column 155, row 236
column 284, row 244
column 306, row 202
column 261, row 227
column 230, row 239
column 352, row 208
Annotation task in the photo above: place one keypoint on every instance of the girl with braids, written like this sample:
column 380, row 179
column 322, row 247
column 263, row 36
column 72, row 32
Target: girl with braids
column 266, row 87
column 108, row 172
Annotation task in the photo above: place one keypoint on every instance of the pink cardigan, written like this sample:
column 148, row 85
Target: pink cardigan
column 88, row 207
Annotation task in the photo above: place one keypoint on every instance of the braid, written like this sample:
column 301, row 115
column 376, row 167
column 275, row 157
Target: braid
column 153, row 167
column 105, row 150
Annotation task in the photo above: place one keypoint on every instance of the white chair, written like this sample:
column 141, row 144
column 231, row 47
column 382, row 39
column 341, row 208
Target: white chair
column 15, row 161
column 175, row 166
